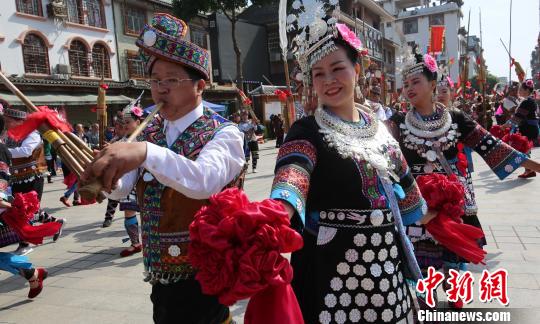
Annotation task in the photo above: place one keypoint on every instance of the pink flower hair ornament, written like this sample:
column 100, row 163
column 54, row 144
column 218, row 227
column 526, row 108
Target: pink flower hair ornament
column 430, row 63
column 137, row 111
column 349, row 36
column 529, row 83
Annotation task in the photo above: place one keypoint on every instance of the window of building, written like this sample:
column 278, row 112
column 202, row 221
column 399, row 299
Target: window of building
column 410, row 26
column 101, row 63
column 436, row 20
column 31, row 7
column 135, row 65
column 78, row 59
column 134, row 20
column 198, row 36
column 86, row 12
column 35, row 55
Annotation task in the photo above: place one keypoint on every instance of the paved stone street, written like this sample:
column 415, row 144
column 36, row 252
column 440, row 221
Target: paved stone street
column 90, row 283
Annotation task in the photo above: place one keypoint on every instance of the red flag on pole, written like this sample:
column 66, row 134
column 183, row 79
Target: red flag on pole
column 436, row 39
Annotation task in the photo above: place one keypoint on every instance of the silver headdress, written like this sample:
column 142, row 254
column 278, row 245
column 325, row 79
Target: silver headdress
column 444, row 79
column 315, row 30
column 133, row 108
column 413, row 62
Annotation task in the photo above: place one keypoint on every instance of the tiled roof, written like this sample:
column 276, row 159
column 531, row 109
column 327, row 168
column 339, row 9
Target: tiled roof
column 78, row 83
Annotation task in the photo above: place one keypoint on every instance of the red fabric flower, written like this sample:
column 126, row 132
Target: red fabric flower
column 445, row 194
column 104, row 86
column 518, row 142
column 34, row 120
column 236, row 247
column 498, row 131
column 23, row 208
column 462, row 161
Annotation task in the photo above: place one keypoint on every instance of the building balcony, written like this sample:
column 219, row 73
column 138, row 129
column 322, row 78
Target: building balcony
column 372, row 39
column 408, row 3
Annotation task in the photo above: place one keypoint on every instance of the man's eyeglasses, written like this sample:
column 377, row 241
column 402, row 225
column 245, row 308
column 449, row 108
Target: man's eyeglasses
column 167, row 83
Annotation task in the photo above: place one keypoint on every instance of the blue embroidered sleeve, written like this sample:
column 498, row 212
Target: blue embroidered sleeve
column 411, row 203
column 296, row 160
column 499, row 156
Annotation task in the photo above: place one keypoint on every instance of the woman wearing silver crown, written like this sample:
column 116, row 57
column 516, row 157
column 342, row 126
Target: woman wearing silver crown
column 430, row 136
column 338, row 174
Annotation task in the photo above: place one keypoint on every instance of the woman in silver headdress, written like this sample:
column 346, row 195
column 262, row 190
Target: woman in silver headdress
column 338, row 174
column 430, row 135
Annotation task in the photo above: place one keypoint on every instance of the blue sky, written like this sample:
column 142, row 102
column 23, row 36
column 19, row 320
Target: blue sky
column 495, row 25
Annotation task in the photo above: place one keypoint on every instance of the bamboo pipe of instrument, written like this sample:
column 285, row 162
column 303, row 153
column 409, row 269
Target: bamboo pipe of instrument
column 92, row 189
column 18, row 93
column 63, row 150
column 82, row 158
column 60, row 144
column 80, row 144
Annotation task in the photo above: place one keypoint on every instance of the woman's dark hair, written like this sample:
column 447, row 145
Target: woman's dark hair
column 352, row 54
column 425, row 71
column 4, row 103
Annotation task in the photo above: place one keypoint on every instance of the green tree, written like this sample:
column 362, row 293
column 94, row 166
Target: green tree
column 187, row 9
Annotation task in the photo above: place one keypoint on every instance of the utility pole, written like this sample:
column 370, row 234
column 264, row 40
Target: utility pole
column 510, row 49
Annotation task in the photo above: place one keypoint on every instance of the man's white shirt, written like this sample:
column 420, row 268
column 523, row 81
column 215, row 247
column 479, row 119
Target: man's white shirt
column 218, row 163
column 28, row 145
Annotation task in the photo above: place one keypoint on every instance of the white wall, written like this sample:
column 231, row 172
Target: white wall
column 451, row 22
column 13, row 25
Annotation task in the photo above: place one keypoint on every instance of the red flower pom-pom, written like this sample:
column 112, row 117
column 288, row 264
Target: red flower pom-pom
column 236, row 247
column 445, row 194
column 23, row 208
column 498, row 131
column 518, row 142
column 104, row 86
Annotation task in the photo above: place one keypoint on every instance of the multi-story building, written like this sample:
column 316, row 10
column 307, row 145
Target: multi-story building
column 474, row 49
column 49, row 48
column 412, row 26
column 365, row 17
column 57, row 51
column 368, row 18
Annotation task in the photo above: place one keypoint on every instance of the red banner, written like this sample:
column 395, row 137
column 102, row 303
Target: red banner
column 436, row 40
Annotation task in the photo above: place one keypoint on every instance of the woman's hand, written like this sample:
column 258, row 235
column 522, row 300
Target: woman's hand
column 289, row 208
column 428, row 217
column 531, row 165
column 4, row 204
